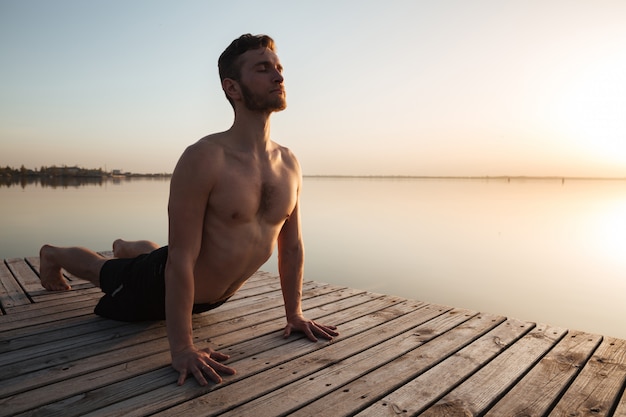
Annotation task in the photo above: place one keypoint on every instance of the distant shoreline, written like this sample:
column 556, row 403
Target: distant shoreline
column 68, row 176
column 470, row 177
column 71, row 172
column 78, row 172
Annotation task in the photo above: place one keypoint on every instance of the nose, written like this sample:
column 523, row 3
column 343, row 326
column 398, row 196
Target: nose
column 278, row 77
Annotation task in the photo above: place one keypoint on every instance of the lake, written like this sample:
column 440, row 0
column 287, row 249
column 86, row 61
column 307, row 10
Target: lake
column 543, row 250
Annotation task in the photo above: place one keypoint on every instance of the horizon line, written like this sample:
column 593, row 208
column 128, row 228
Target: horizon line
column 469, row 177
column 390, row 176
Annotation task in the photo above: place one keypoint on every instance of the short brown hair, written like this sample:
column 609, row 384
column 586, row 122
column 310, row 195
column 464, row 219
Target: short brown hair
column 228, row 64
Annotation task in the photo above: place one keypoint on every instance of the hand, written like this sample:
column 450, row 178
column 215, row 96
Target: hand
column 200, row 363
column 309, row 328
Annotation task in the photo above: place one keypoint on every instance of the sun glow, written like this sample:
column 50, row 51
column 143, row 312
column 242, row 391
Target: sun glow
column 610, row 232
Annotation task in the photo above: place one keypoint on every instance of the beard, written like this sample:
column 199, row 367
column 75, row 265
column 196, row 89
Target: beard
column 256, row 102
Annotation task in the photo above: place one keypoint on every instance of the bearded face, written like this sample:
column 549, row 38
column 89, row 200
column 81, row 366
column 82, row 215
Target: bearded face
column 271, row 102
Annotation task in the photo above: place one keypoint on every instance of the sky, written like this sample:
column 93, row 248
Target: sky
column 437, row 88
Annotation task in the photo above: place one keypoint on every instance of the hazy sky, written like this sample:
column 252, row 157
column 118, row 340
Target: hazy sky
column 532, row 87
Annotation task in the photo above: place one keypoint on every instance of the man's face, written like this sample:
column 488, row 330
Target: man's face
column 261, row 81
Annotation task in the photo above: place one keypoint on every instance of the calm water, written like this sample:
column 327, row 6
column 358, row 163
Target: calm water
column 539, row 250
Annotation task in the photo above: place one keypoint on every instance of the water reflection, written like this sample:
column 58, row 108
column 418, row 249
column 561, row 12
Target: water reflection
column 52, row 182
column 70, row 181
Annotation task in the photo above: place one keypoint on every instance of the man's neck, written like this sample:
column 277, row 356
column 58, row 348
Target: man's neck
column 251, row 130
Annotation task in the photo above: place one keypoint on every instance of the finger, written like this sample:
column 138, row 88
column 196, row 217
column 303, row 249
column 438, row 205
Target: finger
column 309, row 333
column 324, row 331
column 223, row 369
column 321, row 333
column 327, row 328
column 197, row 373
column 182, row 377
column 287, row 331
column 210, row 372
column 219, row 356
column 331, row 330
column 214, row 354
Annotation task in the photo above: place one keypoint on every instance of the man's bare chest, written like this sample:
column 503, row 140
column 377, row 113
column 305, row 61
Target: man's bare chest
column 270, row 199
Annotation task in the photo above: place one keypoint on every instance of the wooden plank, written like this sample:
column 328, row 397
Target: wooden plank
column 220, row 321
column 44, row 327
column 621, row 407
column 347, row 386
column 259, row 280
column 11, row 293
column 36, row 310
column 41, row 352
column 19, row 320
column 133, row 377
column 37, row 357
column 447, row 371
column 40, row 306
column 269, row 352
column 245, row 292
column 143, row 343
column 538, row 391
column 259, row 318
column 600, row 384
column 45, row 334
column 27, row 278
column 56, row 399
column 237, row 393
column 478, row 393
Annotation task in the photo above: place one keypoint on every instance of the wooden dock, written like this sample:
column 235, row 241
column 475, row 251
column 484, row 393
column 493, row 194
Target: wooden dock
column 394, row 357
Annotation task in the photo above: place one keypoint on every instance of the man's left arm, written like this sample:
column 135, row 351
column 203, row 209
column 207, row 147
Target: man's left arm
column 291, row 271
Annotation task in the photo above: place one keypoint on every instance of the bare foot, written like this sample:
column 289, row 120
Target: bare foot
column 118, row 248
column 50, row 273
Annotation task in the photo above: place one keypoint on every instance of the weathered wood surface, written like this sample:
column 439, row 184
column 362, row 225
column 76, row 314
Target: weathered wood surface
column 394, row 357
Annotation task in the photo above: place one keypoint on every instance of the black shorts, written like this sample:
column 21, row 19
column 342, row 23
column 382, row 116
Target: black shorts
column 135, row 288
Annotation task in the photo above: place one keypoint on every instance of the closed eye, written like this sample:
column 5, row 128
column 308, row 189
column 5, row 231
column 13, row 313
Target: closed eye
column 265, row 66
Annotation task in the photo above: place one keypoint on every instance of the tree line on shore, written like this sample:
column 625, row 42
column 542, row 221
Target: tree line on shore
column 65, row 171
column 53, row 171
column 65, row 176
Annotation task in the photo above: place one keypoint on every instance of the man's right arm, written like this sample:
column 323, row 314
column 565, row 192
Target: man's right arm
column 189, row 193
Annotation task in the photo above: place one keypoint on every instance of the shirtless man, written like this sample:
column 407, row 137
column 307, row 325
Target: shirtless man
column 234, row 195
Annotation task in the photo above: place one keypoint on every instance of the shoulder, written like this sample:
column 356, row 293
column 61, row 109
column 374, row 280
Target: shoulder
column 209, row 147
column 289, row 165
column 200, row 161
column 205, row 152
column 288, row 158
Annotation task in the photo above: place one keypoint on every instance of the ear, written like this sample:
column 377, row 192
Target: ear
column 231, row 88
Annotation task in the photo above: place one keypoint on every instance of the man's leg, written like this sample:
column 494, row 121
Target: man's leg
column 80, row 262
column 132, row 249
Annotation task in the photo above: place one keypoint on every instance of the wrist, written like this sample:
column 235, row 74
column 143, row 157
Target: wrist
column 295, row 315
column 176, row 350
column 178, row 345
